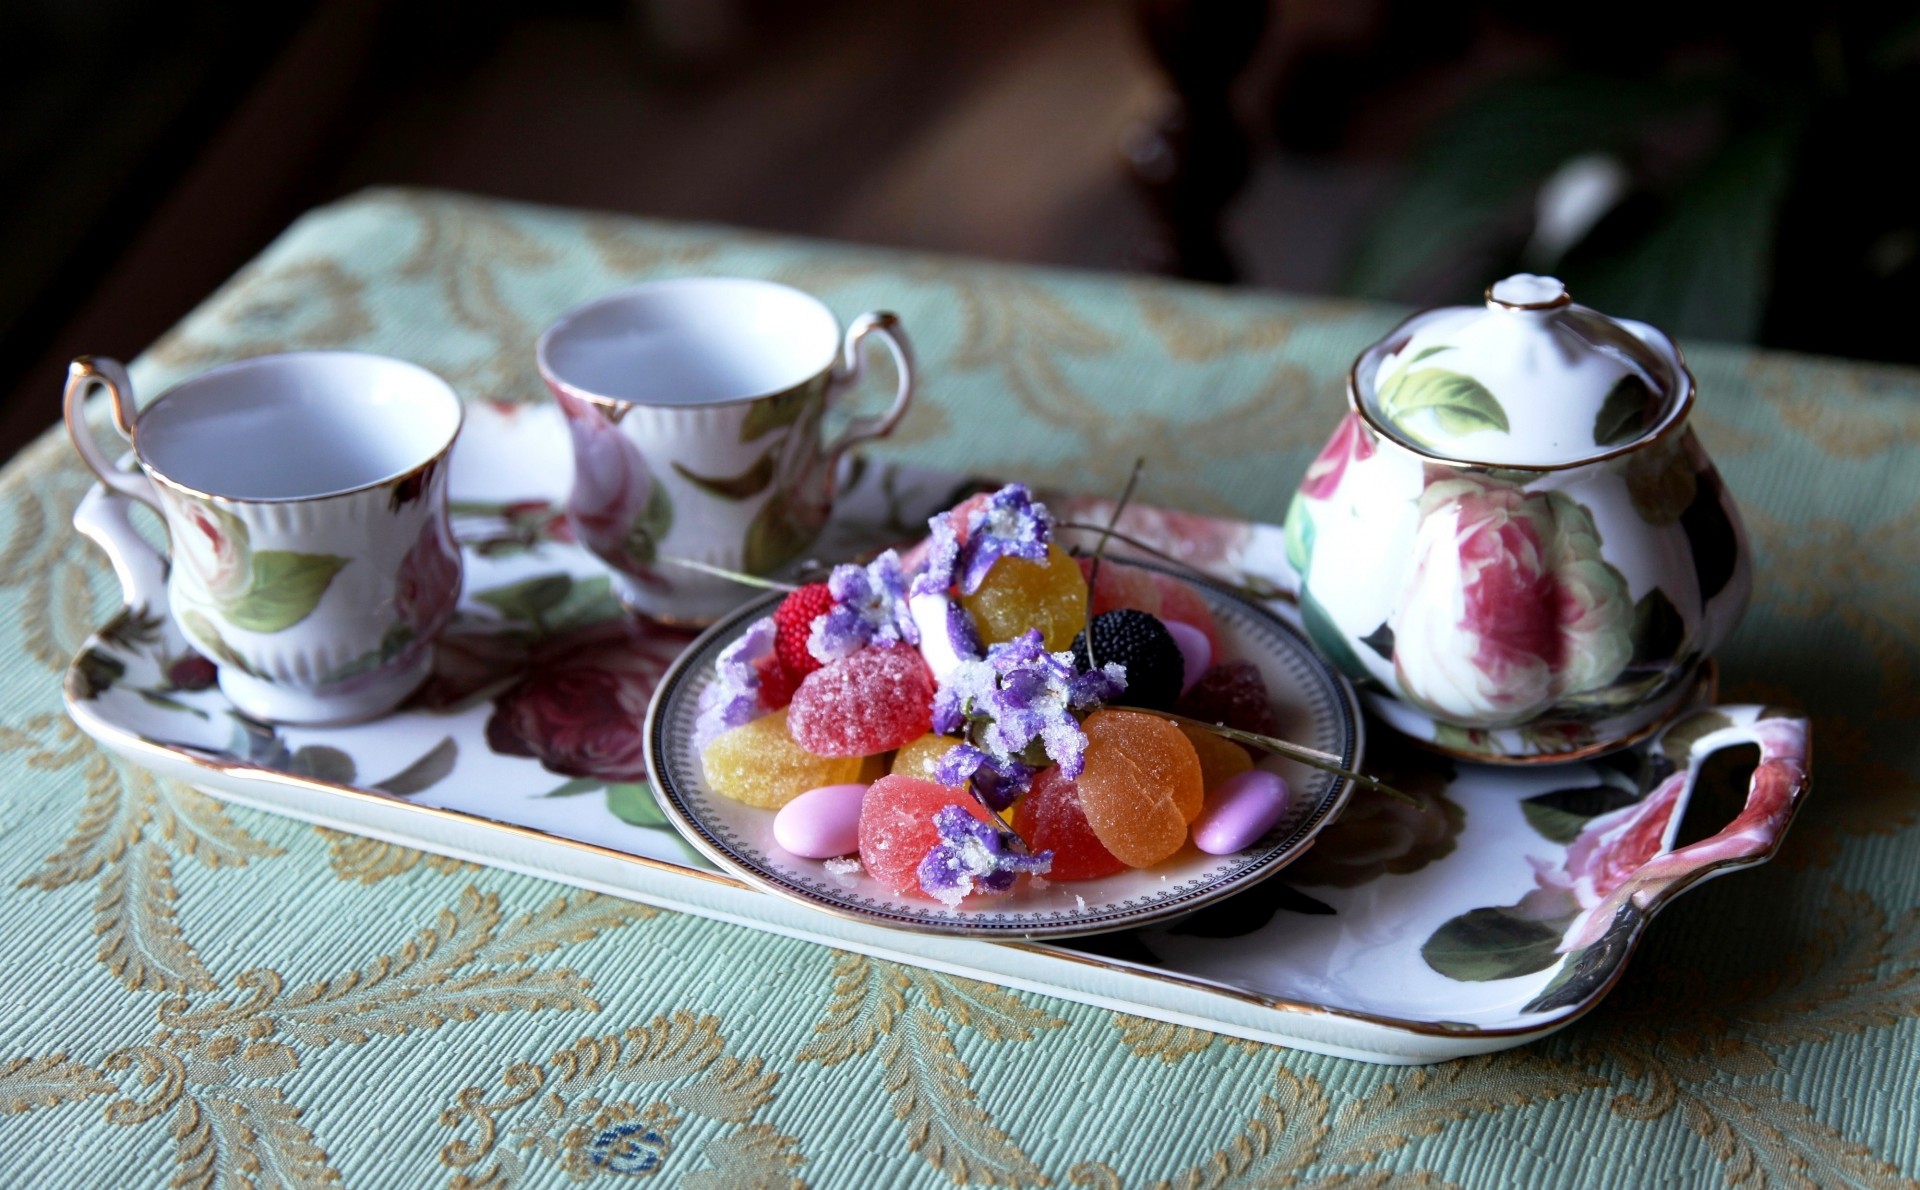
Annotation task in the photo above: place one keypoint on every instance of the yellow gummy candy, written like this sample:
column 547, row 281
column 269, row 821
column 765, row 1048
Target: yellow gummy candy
column 759, row 764
column 1017, row 595
column 918, row 757
column 1220, row 757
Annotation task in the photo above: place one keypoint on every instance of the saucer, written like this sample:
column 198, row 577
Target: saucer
column 1315, row 706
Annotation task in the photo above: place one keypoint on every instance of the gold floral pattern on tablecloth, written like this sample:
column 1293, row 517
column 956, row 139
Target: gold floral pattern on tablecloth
column 209, row 997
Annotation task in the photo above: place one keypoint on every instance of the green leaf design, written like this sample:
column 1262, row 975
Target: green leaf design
column 529, row 599
column 653, row 525
column 750, row 482
column 1562, row 814
column 772, row 413
column 1678, row 742
column 1497, row 943
column 423, row 773
column 1659, row 631
column 773, row 539
column 1459, row 403
column 1327, row 637
column 1300, row 536
column 633, row 804
column 202, row 629
column 93, row 674
column 286, row 587
column 323, row 762
column 1623, row 415
column 1380, row 640
column 576, row 787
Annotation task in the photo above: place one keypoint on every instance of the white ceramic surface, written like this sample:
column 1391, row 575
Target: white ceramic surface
column 305, row 503
column 697, row 408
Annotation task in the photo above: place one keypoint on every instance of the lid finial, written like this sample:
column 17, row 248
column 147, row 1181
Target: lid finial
column 1525, row 291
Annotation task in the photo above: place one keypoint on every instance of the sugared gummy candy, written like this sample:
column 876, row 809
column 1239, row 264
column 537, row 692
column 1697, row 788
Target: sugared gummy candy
column 866, row 702
column 897, row 829
column 1232, row 693
column 917, row 757
column 1050, row 818
column 759, row 764
column 1220, row 758
column 1017, row 595
column 1141, row 785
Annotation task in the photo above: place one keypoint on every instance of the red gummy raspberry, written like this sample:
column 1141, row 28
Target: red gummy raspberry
column 793, row 623
column 1234, row 694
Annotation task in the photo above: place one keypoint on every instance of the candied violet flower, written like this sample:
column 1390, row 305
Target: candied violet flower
column 869, row 608
column 1021, row 694
column 943, row 551
column 733, row 698
column 997, row 779
column 973, row 856
column 1010, row 525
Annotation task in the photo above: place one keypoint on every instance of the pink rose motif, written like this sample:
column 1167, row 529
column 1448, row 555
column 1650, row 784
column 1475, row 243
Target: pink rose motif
column 611, row 486
column 1510, row 605
column 1207, row 544
column 580, row 707
column 215, row 548
column 1351, row 443
column 428, row 585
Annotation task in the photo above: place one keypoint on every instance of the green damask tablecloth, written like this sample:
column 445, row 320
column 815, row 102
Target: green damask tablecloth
column 214, row 997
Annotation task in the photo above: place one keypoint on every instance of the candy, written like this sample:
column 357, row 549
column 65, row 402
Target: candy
column 1142, row 645
column 1050, row 818
column 1234, row 694
column 793, row 620
column 759, row 764
column 776, row 685
column 821, row 823
column 1141, row 785
column 872, row 701
column 897, row 828
column 1119, row 585
column 1196, row 653
column 1241, row 810
column 917, row 758
column 1181, row 603
column 1220, row 758
column 1018, row 594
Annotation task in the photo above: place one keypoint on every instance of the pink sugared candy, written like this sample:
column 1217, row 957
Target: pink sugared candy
column 897, row 830
column 1196, row 652
column 872, row 701
column 821, row 823
column 1050, row 818
column 1240, row 810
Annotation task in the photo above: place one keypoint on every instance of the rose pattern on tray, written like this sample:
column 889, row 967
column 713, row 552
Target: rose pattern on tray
column 1619, row 859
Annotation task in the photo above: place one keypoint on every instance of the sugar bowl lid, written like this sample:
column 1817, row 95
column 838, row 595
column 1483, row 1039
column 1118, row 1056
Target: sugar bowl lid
column 1531, row 380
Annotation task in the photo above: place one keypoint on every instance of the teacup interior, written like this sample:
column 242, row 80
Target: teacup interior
column 694, row 341
column 300, row 425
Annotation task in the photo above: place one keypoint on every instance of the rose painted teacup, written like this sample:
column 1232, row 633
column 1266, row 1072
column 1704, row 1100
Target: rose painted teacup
column 1513, row 541
column 304, row 496
column 696, row 409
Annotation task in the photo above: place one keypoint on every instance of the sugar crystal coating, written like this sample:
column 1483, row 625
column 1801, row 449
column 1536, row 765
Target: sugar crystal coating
column 1141, row 785
column 1050, row 818
column 871, row 701
column 917, row 758
column 897, row 827
column 1220, row 758
column 759, row 764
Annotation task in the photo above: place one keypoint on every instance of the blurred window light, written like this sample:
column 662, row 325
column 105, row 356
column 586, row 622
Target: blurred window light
column 1572, row 199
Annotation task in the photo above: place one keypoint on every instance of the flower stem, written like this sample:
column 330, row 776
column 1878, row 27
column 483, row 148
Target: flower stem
column 1249, row 592
column 745, row 580
column 1313, row 758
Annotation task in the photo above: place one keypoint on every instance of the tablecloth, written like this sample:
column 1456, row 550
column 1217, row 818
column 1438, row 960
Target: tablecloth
column 195, row 995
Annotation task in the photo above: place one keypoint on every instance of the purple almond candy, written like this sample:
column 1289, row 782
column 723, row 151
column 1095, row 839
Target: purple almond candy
column 1240, row 810
column 1196, row 652
column 821, row 823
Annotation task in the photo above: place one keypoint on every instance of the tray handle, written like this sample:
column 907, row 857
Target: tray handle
column 1774, row 792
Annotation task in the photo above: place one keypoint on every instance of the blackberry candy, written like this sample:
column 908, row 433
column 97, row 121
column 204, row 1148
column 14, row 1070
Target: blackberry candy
column 1155, row 668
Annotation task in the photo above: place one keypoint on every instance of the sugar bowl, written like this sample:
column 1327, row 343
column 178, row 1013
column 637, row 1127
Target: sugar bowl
column 1513, row 542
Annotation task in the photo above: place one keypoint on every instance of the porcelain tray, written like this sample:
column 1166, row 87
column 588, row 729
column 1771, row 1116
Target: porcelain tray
column 1499, row 910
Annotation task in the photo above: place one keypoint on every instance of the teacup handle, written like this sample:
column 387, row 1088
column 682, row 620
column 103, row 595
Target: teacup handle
column 82, row 375
column 104, row 514
column 886, row 326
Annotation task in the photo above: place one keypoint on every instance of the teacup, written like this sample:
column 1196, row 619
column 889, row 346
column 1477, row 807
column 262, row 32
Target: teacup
column 305, row 500
column 696, row 409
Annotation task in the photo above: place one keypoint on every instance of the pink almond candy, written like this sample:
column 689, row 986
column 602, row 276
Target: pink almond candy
column 821, row 823
column 1195, row 651
column 1240, row 810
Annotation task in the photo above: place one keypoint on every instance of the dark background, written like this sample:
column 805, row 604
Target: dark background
column 1745, row 168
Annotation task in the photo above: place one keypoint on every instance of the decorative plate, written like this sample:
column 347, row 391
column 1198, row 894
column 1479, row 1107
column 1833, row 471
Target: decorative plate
column 1314, row 704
